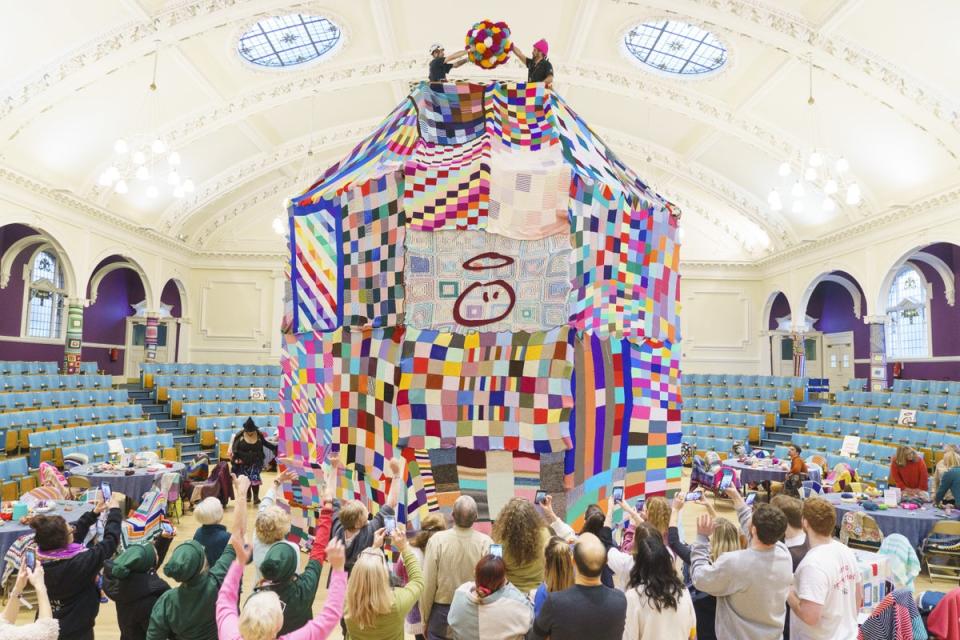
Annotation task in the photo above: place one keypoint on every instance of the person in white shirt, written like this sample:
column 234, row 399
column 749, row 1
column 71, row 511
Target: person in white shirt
column 659, row 606
column 826, row 596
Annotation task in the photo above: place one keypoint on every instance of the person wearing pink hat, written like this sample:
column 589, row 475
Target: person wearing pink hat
column 538, row 66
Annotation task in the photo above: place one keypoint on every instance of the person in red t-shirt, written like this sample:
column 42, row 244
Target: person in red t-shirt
column 908, row 471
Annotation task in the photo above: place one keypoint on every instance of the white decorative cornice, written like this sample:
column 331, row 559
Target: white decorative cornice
column 282, row 187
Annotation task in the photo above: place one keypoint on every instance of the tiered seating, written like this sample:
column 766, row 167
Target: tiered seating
column 164, row 383
column 43, row 444
column 20, row 400
column 161, row 443
column 193, row 411
column 52, row 381
column 148, row 371
column 782, row 390
column 15, row 478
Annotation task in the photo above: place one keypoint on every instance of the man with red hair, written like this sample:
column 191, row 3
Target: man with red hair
column 539, row 68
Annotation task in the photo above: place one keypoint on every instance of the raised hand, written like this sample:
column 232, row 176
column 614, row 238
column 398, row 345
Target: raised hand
column 242, row 549
column 705, row 525
column 378, row 537
column 36, row 577
column 395, row 466
column 399, row 537
column 22, row 575
column 336, row 554
column 240, row 485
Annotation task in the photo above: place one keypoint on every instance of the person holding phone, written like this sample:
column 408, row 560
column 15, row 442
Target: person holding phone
column 595, row 521
column 131, row 581
column 489, row 607
column 430, row 525
column 46, row 627
column 70, row 568
column 521, row 531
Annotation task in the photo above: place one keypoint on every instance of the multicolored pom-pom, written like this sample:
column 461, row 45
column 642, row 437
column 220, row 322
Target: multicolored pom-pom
column 488, row 44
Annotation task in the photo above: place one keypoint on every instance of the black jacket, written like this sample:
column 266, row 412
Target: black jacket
column 72, row 583
column 136, row 594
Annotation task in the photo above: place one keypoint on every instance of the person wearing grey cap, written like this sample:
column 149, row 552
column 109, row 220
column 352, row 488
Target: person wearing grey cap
column 440, row 64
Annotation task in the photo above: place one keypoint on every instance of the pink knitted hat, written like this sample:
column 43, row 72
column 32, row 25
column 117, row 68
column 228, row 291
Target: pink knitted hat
column 541, row 46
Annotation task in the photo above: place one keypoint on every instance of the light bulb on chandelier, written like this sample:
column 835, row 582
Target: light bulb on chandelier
column 178, row 192
column 797, row 190
column 188, row 185
column 173, row 178
column 173, row 159
column 828, row 205
column 279, row 225
column 158, row 146
column 121, row 187
column 830, row 187
column 841, row 166
column 810, row 174
column 773, row 199
column 120, row 146
column 815, row 159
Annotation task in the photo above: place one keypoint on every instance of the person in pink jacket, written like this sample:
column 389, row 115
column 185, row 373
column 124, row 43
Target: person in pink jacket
column 262, row 616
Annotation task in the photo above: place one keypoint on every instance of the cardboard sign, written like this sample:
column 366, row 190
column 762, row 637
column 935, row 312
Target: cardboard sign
column 908, row 417
column 116, row 447
column 257, row 393
column 891, row 497
column 850, row 446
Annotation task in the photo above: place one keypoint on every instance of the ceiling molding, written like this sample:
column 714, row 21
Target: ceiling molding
column 943, row 270
column 280, row 188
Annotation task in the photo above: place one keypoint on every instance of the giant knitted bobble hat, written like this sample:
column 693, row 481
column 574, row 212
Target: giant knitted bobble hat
column 186, row 562
column 280, row 562
column 138, row 558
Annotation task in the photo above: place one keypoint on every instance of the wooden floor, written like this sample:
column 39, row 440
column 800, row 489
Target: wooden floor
column 107, row 621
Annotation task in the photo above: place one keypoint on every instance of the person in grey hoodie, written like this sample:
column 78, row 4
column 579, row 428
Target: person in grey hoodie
column 751, row 586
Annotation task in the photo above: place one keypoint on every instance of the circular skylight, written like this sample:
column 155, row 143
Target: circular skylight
column 675, row 48
column 287, row 41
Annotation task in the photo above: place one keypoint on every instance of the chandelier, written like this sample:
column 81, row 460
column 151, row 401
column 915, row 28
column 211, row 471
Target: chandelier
column 814, row 169
column 145, row 158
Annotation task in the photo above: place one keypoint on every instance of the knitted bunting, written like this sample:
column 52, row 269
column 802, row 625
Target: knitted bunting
column 472, row 280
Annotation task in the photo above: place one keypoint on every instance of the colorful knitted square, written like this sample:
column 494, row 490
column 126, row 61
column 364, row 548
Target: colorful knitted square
column 450, row 114
column 448, row 186
column 520, row 115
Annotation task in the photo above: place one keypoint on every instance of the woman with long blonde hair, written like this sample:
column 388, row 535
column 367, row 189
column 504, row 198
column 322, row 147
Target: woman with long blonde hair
column 557, row 570
column 524, row 536
column 430, row 524
column 951, row 459
column 374, row 610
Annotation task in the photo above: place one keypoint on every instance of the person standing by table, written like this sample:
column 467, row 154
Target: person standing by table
column 908, row 472
column 247, row 455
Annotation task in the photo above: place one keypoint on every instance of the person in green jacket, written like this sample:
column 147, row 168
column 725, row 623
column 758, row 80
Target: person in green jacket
column 374, row 611
column 524, row 536
column 189, row 611
column 279, row 569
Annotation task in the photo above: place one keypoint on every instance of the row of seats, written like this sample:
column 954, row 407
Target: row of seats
column 235, row 423
column 13, row 468
column 921, row 438
column 192, row 368
column 18, row 367
column 926, row 386
column 768, row 408
column 43, row 443
column 20, row 400
column 946, row 402
column 100, row 451
column 927, row 419
column 52, row 418
column 210, row 395
column 747, row 393
column 221, row 439
column 43, row 382
column 194, row 410
column 740, row 380
column 732, row 418
column 826, row 444
column 163, row 383
column 741, row 434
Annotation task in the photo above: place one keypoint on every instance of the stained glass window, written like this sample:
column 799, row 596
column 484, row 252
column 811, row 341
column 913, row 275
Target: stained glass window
column 678, row 48
column 286, row 41
column 908, row 316
column 46, row 297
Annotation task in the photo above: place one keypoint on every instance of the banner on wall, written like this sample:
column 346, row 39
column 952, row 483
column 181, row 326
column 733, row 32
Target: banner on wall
column 151, row 335
column 74, row 342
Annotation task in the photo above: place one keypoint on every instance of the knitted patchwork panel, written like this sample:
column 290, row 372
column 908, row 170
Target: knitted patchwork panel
column 373, row 230
column 476, row 281
column 520, row 115
column 449, row 113
column 486, row 390
column 448, row 186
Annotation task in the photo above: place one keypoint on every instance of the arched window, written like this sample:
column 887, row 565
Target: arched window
column 908, row 316
column 45, row 296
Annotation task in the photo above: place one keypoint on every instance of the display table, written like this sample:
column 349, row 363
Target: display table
column 756, row 475
column 132, row 486
column 914, row 525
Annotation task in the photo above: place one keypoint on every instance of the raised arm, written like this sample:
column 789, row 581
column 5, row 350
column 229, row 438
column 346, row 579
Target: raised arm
column 323, row 625
column 226, row 611
column 240, row 486
column 456, row 55
column 408, row 595
column 557, row 525
column 717, row 579
column 13, row 602
column 396, row 470
column 520, row 56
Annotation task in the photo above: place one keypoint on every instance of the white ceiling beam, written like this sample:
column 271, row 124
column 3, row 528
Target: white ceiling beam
column 581, row 26
column 387, row 38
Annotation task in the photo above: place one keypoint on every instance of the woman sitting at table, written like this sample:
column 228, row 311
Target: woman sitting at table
column 70, row 569
column 950, row 482
column 942, row 467
column 247, row 455
column 908, row 472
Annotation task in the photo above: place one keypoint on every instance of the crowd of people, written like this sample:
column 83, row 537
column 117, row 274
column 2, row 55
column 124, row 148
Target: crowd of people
column 780, row 573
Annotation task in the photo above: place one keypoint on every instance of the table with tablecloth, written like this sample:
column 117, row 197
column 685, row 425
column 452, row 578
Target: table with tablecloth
column 10, row 530
column 914, row 525
column 763, row 473
column 133, row 486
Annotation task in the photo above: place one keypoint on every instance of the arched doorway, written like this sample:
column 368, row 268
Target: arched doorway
column 835, row 305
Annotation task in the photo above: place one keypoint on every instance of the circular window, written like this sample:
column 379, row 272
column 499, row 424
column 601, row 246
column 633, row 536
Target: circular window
column 287, row 41
column 675, row 48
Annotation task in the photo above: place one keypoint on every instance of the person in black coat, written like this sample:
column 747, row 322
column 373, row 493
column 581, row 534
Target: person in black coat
column 71, row 569
column 132, row 582
column 247, row 455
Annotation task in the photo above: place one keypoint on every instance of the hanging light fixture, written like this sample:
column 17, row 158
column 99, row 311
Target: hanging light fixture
column 817, row 167
column 144, row 156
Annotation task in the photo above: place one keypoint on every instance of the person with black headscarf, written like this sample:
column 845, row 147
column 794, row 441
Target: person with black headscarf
column 247, row 455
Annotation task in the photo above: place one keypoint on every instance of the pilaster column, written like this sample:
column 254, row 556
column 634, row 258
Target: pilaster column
column 73, row 344
column 878, row 351
column 150, row 336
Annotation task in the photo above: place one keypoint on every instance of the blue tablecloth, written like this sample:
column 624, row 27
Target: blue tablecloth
column 10, row 530
column 749, row 475
column 915, row 525
column 132, row 486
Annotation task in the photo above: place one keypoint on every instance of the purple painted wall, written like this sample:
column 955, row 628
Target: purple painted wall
column 832, row 305
column 779, row 309
column 105, row 321
column 171, row 295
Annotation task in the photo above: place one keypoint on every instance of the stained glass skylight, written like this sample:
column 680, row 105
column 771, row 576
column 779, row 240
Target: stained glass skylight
column 678, row 48
column 286, row 41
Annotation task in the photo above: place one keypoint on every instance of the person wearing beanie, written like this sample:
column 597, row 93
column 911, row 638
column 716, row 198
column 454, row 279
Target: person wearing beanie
column 131, row 581
column 247, row 455
column 440, row 64
column 70, row 569
column 539, row 68
column 188, row 611
column 279, row 570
